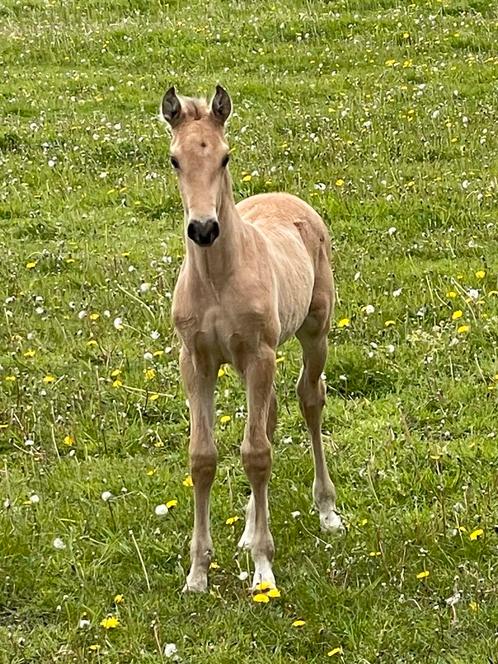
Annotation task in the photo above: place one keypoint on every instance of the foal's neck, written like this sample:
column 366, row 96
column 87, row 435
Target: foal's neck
column 216, row 263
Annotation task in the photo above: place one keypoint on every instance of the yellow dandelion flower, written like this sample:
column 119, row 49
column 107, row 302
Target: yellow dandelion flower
column 92, row 342
column 451, row 294
column 31, row 264
column 10, row 379
column 247, row 178
column 344, row 322
column 225, row 418
column 111, row 622
column 221, row 372
column 473, row 606
column 158, row 353
column 423, row 575
column 298, row 623
column 264, row 586
column 172, row 503
column 375, row 554
column 94, row 316
column 214, row 565
column 151, row 471
column 48, row 379
column 261, row 598
column 406, row 35
column 154, row 396
column 388, row 323
column 480, row 274
column 68, row 440
column 339, row 182
column 463, row 329
column 476, row 534
column 231, row 520
column 280, row 358
column 94, row 647
column 456, row 314
column 188, row 481
column 335, row 651
column 273, row 593
column 115, row 373
column 117, row 383
column 118, row 599
column 29, row 353
column 363, row 522
column 390, row 63
column 149, row 374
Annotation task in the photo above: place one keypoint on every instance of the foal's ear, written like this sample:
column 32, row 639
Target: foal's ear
column 171, row 108
column 221, row 105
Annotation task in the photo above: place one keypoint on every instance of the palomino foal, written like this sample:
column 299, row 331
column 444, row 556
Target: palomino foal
column 254, row 274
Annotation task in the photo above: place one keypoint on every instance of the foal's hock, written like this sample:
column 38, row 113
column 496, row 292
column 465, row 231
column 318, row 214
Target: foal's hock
column 254, row 274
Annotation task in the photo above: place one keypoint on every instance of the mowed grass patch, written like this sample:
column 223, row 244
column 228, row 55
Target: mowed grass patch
column 381, row 115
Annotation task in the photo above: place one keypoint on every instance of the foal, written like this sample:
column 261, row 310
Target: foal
column 254, row 274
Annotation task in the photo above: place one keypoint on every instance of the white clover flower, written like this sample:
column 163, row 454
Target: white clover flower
column 243, row 576
column 170, row 649
column 369, row 309
column 34, row 499
column 58, row 544
column 161, row 510
column 106, row 495
column 118, row 323
column 392, row 230
column 154, row 335
column 144, row 287
column 84, row 623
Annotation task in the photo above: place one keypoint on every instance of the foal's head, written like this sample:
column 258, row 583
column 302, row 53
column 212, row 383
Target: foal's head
column 199, row 155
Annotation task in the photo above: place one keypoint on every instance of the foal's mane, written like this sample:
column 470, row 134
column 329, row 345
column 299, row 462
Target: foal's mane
column 194, row 108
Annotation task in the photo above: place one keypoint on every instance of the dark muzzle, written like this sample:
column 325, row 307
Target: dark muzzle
column 203, row 233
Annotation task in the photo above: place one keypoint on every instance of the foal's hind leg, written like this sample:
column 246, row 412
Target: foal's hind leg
column 311, row 393
column 248, row 534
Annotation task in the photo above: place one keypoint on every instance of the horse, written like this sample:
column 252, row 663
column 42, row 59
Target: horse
column 254, row 274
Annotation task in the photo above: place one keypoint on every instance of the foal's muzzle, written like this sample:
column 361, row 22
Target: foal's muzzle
column 203, row 233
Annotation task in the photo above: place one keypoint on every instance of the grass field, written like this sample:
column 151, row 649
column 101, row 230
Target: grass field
column 384, row 116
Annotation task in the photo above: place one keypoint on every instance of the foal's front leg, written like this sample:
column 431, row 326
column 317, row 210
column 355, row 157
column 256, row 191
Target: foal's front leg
column 199, row 378
column 259, row 371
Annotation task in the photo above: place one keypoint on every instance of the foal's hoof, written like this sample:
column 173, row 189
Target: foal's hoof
column 197, row 584
column 330, row 522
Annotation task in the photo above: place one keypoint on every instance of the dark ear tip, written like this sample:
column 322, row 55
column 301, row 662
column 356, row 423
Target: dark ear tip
column 170, row 91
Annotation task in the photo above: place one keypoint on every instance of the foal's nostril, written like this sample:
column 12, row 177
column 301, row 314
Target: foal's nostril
column 203, row 233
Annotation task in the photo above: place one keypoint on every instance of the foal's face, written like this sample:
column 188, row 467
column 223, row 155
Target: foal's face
column 199, row 155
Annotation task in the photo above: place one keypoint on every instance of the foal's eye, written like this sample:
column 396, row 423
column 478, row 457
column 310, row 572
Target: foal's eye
column 225, row 160
column 174, row 162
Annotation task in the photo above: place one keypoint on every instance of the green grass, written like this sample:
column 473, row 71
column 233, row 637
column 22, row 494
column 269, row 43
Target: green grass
column 382, row 115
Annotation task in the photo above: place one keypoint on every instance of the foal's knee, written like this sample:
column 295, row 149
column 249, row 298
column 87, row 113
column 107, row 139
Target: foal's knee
column 203, row 464
column 256, row 459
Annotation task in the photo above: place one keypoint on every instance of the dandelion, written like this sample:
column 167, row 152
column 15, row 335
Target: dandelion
column 463, row 329
column 29, row 353
column 117, row 383
column 172, row 503
column 118, row 599
column 451, row 294
column 344, row 322
column 231, row 520
column 476, row 534
column 273, row 593
column 10, row 379
column 115, row 373
column 480, row 274
column 339, row 182
column 111, row 622
column 94, row 316
column 335, row 651
column 225, row 418
column 423, row 575
column 188, row 481
column 247, row 178
column 221, row 372
column 31, row 264
column 473, row 606
column 261, row 598
column 456, row 314
column 49, row 379
column 388, row 323
column 298, row 623
column 149, row 374
column 94, row 647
